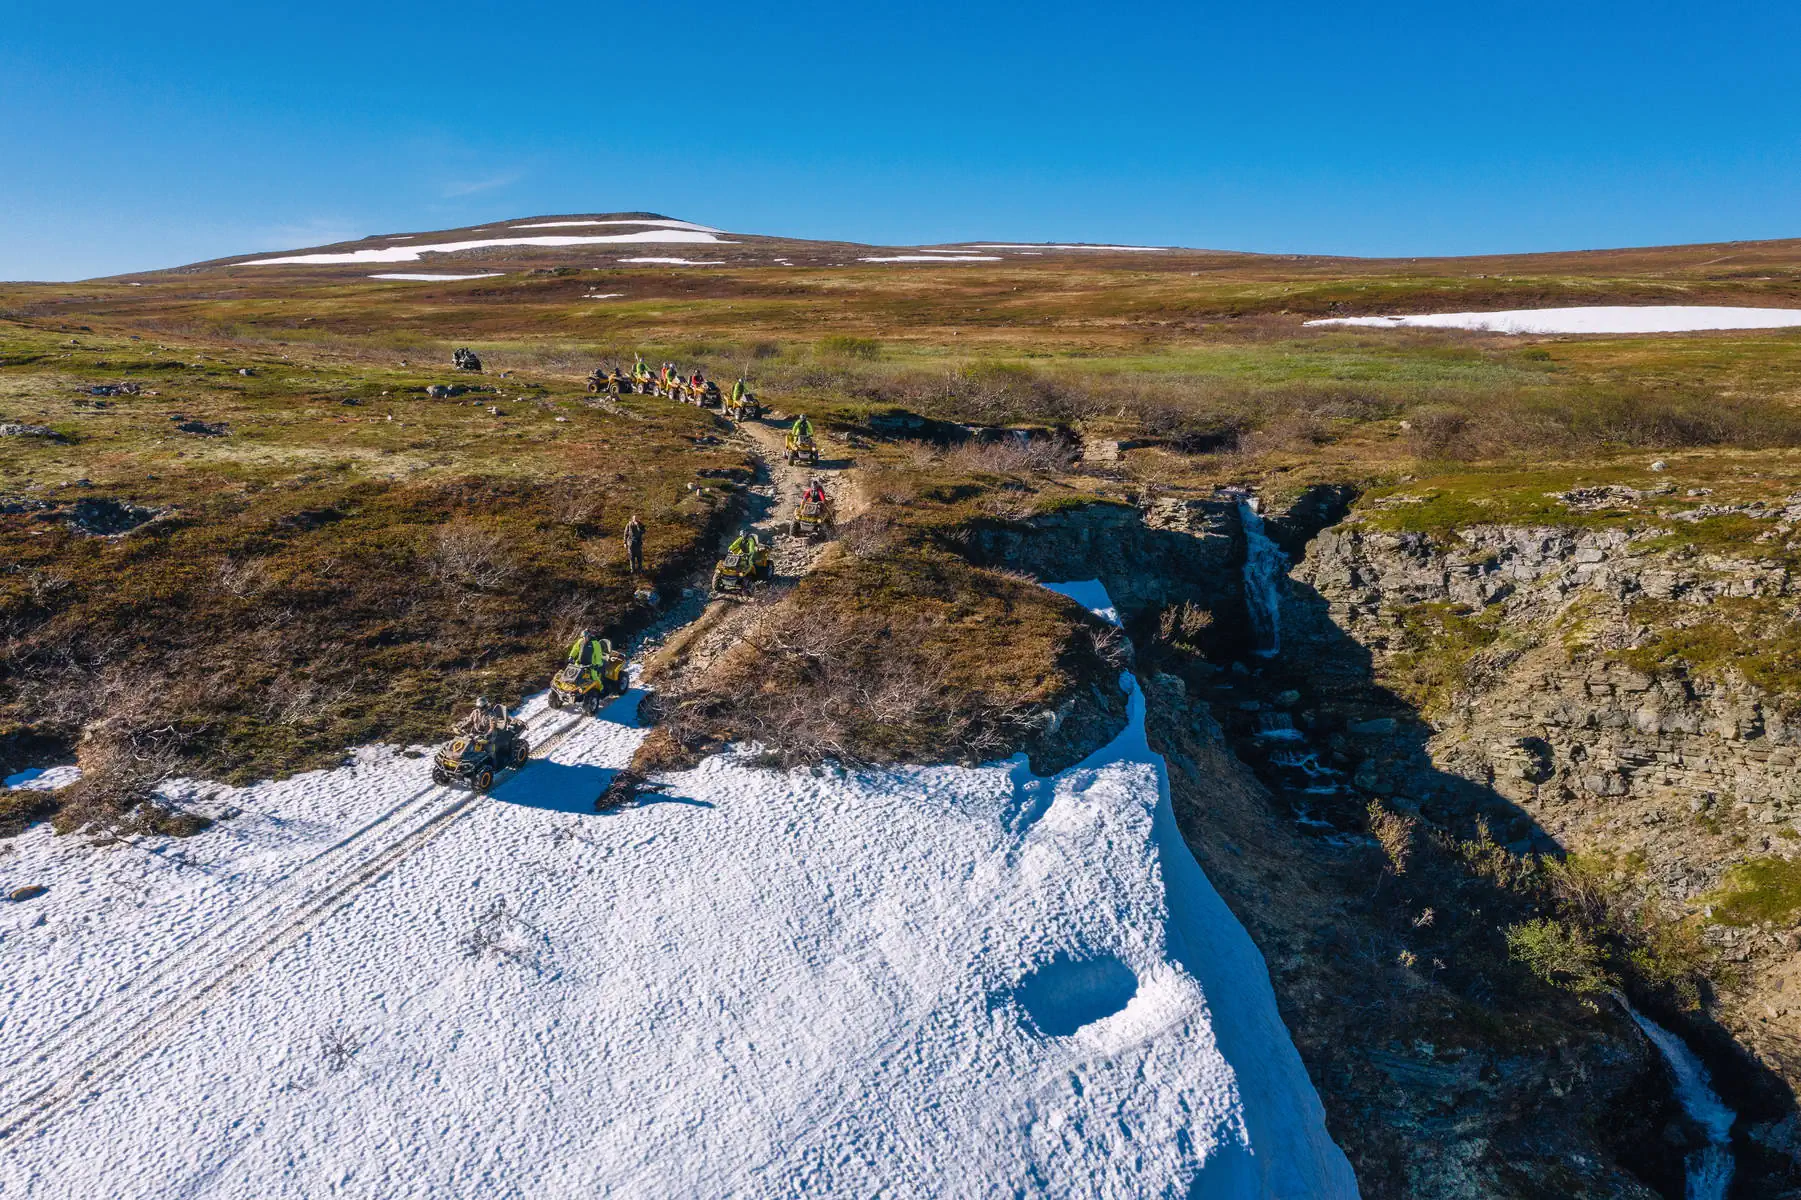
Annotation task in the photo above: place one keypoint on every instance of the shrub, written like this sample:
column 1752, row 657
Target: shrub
column 844, row 346
column 1394, row 833
column 465, row 553
column 1560, row 954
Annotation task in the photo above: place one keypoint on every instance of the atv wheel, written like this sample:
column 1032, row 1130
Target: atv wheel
column 522, row 752
column 484, row 779
column 439, row 777
column 794, row 529
column 556, row 698
column 591, row 704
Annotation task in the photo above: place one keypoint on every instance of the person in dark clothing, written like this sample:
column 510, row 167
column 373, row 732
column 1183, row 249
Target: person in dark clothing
column 634, row 544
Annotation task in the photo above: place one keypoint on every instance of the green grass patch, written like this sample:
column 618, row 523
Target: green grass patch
column 1759, row 891
column 1759, row 638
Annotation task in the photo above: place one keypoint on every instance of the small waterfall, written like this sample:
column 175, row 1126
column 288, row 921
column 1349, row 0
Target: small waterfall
column 1276, row 727
column 1709, row 1168
column 1264, row 564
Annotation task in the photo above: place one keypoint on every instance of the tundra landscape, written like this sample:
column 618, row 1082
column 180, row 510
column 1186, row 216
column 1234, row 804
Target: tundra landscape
column 1236, row 724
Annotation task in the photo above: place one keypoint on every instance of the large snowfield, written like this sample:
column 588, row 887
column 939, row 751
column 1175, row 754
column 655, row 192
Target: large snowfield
column 1651, row 318
column 927, row 981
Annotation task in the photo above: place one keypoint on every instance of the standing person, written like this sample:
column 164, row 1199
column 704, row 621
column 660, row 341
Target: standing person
column 634, row 544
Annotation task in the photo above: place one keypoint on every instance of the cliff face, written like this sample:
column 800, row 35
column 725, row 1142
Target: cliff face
column 1445, row 1071
column 1606, row 689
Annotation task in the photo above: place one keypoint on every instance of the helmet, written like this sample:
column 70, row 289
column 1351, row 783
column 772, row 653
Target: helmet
column 481, row 702
column 586, row 634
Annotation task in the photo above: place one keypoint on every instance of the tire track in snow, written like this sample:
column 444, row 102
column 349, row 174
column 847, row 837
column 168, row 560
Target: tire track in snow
column 122, row 1034
column 110, row 1038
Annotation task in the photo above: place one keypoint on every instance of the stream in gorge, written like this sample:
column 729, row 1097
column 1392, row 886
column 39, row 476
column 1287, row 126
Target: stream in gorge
column 1709, row 1168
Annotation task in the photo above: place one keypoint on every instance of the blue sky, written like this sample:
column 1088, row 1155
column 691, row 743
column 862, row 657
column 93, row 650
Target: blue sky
column 137, row 136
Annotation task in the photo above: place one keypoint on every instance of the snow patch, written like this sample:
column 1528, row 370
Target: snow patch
column 431, row 278
column 43, row 779
column 758, row 983
column 1061, row 246
column 677, row 262
column 934, row 258
column 387, row 254
column 1650, row 318
column 1092, row 595
column 664, row 223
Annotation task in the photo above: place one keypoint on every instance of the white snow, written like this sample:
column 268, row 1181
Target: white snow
column 43, row 779
column 1061, row 246
column 677, row 262
column 915, row 981
column 663, row 222
column 387, row 254
column 430, row 278
column 1650, row 318
column 934, row 258
column 603, row 295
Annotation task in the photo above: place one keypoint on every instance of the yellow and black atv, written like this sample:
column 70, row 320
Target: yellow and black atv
column 588, row 687
column 746, row 408
column 802, row 448
column 812, row 519
column 738, row 574
column 472, row 760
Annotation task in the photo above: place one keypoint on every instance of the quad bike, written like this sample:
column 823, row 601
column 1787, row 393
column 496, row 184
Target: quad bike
column 747, row 409
column 802, row 448
column 812, row 519
column 737, row 574
column 472, row 760
column 588, row 687
column 708, row 396
column 643, row 381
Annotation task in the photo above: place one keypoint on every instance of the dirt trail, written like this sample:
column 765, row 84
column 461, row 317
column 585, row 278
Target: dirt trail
column 772, row 500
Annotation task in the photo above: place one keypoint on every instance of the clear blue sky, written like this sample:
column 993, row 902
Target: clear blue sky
column 144, row 135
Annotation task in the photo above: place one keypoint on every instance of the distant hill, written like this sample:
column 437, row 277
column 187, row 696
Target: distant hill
column 645, row 239
column 630, row 239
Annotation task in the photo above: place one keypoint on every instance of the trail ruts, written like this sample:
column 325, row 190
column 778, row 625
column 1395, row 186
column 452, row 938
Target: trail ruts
column 156, row 1006
column 725, row 621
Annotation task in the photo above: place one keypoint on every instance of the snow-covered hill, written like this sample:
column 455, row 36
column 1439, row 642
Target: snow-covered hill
column 935, row 981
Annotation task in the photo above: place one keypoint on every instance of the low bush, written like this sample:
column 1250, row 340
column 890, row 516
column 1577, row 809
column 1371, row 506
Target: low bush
column 907, row 656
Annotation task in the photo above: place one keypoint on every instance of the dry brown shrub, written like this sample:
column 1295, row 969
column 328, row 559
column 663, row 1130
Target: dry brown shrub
column 1394, row 833
column 868, row 534
column 465, row 553
column 1010, row 456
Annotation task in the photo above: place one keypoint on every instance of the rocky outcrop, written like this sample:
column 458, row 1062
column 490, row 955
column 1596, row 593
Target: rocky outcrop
column 1545, row 711
column 1170, row 551
column 1516, row 660
column 1425, row 1100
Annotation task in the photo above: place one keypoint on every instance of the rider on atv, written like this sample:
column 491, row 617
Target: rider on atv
column 590, row 651
column 485, row 717
column 747, row 544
